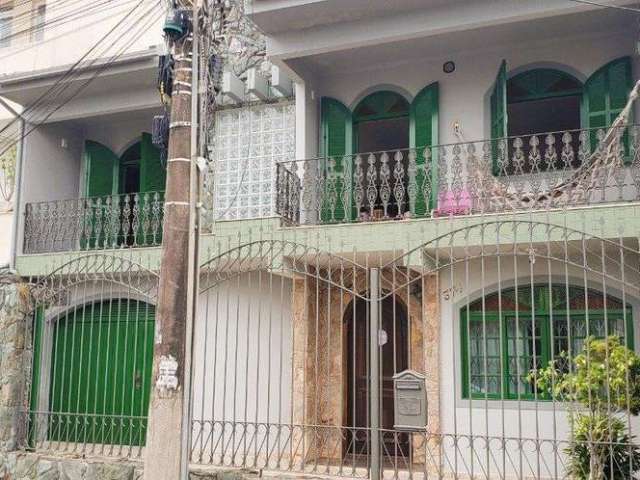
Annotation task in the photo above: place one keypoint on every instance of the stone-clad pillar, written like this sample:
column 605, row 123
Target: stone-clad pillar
column 318, row 393
column 302, row 388
column 431, row 349
column 12, row 371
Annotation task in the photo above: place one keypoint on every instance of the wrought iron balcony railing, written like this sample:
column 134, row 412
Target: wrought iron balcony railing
column 94, row 223
column 549, row 170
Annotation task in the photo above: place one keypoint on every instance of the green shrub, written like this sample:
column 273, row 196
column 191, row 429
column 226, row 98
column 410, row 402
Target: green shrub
column 601, row 383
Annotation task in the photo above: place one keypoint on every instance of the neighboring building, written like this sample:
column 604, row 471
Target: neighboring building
column 438, row 191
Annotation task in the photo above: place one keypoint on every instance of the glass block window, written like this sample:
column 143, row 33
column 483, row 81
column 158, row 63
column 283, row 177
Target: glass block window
column 507, row 334
column 249, row 141
column 6, row 12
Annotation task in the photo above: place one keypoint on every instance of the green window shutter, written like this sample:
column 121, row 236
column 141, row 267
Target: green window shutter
column 153, row 178
column 101, row 179
column 605, row 95
column 498, row 113
column 337, row 143
column 153, row 174
column 101, row 166
column 423, row 132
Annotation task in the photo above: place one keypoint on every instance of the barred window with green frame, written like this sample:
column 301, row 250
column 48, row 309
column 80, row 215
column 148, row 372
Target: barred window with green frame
column 508, row 333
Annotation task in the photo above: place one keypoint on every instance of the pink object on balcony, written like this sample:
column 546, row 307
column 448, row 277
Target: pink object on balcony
column 448, row 204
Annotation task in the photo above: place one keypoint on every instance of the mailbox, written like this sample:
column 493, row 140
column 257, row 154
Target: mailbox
column 410, row 399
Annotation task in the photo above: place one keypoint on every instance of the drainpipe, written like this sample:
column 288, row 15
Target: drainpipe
column 17, row 210
column 18, row 180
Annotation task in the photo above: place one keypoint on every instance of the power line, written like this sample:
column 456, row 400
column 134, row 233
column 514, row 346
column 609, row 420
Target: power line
column 39, row 111
column 64, row 18
column 48, row 39
column 71, row 71
column 150, row 19
column 601, row 5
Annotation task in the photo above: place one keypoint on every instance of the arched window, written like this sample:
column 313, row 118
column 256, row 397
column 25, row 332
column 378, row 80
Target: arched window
column 129, row 169
column 543, row 100
column 381, row 122
column 138, row 169
column 529, row 106
column 506, row 334
column 538, row 101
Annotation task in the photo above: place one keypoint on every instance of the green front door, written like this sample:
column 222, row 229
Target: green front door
column 101, row 363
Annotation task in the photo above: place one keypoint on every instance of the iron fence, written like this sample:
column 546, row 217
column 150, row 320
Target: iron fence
column 94, row 223
column 297, row 349
column 298, row 344
column 531, row 172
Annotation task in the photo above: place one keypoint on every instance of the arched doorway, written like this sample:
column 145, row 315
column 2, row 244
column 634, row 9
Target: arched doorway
column 394, row 358
column 129, row 170
column 381, row 122
column 381, row 125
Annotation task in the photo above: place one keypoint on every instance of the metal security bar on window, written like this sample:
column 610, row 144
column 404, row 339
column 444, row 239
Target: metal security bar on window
column 458, row 179
column 94, row 223
column 528, row 337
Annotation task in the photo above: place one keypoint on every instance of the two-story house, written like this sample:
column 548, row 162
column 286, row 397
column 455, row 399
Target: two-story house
column 414, row 207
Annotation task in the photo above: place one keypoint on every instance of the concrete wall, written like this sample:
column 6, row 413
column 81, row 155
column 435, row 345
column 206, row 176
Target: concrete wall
column 242, row 360
column 120, row 131
column 51, row 171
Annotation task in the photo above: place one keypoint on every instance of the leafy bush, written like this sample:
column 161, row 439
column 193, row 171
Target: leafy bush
column 601, row 383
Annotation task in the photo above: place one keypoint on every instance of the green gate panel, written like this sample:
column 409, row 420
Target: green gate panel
column 101, row 365
column 423, row 117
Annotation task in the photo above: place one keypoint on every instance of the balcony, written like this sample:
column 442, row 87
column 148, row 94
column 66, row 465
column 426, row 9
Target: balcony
column 535, row 172
column 94, row 223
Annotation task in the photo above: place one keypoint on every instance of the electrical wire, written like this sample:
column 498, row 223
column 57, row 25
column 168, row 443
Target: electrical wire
column 81, row 60
column 150, row 20
column 601, row 5
column 65, row 17
column 43, row 108
column 49, row 39
column 52, row 91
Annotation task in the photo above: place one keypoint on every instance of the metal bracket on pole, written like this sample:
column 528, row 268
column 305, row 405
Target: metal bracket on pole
column 374, row 374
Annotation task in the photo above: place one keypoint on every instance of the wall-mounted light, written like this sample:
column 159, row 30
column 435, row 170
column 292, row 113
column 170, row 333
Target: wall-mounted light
column 448, row 67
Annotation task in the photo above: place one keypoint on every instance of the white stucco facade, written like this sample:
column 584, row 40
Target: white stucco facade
column 250, row 377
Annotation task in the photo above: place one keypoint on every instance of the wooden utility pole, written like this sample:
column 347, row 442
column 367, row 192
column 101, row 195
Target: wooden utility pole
column 167, row 449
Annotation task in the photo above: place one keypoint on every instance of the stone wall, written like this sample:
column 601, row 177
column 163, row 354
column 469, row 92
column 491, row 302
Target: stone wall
column 13, row 367
column 32, row 466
